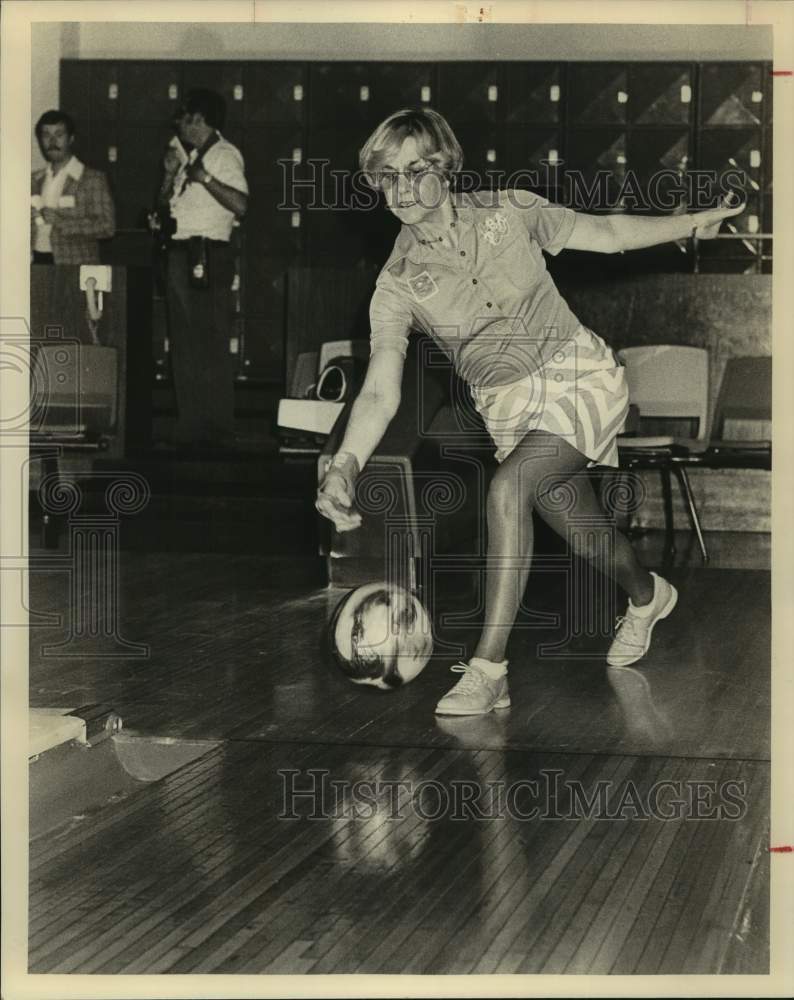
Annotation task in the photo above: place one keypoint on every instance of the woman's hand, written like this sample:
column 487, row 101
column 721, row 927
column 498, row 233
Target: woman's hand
column 707, row 224
column 337, row 493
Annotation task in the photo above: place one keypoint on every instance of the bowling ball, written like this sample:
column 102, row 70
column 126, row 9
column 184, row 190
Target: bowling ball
column 380, row 634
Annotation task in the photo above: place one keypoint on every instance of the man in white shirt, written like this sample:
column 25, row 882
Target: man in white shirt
column 205, row 190
column 71, row 207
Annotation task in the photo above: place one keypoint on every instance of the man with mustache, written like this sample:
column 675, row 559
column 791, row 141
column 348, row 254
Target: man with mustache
column 71, row 206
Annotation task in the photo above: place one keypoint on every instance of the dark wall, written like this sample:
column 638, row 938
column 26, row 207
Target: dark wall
column 616, row 123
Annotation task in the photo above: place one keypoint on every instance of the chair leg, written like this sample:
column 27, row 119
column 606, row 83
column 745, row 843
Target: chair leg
column 689, row 497
column 669, row 522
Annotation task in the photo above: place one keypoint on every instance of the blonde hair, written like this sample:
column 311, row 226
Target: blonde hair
column 435, row 141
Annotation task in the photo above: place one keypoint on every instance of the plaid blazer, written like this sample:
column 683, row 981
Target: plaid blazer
column 74, row 236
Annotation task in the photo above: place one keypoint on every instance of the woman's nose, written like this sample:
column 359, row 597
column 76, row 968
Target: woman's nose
column 404, row 185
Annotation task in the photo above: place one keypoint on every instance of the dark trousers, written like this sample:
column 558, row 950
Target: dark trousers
column 42, row 258
column 199, row 329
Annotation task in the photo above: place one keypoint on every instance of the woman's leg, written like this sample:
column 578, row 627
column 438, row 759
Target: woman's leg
column 581, row 504
column 539, row 462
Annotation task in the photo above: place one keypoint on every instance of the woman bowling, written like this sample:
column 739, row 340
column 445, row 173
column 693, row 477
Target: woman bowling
column 468, row 269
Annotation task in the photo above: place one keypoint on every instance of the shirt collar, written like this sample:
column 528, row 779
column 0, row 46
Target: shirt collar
column 409, row 245
column 73, row 168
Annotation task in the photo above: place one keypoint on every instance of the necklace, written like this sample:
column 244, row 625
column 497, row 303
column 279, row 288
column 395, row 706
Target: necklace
column 439, row 239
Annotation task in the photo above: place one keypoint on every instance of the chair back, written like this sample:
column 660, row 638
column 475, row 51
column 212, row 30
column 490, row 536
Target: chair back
column 668, row 380
column 744, row 403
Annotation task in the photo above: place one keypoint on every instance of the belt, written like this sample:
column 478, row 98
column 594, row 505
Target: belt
column 183, row 244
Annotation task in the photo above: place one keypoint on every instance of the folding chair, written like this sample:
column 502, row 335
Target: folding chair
column 671, row 382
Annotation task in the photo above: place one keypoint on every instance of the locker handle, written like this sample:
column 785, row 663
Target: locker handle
column 173, row 92
column 238, row 92
column 363, row 93
column 493, row 92
column 113, row 154
column 113, row 92
column 295, row 220
column 297, row 92
column 425, row 94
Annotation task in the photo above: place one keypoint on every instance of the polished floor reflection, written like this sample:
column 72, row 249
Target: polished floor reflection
column 612, row 821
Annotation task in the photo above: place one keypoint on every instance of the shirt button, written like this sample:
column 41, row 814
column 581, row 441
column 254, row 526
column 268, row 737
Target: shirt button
column 474, row 281
column 559, row 357
column 558, row 377
column 489, row 304
column 463, row 253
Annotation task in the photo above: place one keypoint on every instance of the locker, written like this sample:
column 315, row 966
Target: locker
column 738, row 152
column 341, row 96
column 399, row 85
column 598, row 93
column 275, row 92
column 105, row 91
column 131, row 156
column 660, row 93
column 271, row 230
column 226, row 78
column 534, row 151
column 533, row 93
column 485, row 157
column 149, row 91
column 471, row 92
column 339, row 146
column 731, row 93
column 659, row 159
column 595, row 168
column 263, row 147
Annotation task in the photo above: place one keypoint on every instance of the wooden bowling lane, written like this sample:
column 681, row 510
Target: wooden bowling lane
column 197, row 872
column 236, row 651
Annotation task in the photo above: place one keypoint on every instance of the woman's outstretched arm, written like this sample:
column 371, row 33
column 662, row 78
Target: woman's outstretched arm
column 614, row 233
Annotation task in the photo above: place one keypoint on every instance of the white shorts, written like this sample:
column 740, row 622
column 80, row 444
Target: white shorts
column 580, row 395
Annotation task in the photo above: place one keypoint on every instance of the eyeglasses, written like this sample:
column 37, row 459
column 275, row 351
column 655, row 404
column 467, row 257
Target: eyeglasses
column 388, row 179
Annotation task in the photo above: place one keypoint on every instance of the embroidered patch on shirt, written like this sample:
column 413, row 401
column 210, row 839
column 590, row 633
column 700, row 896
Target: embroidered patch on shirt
column 422, row 286
column 494, row 228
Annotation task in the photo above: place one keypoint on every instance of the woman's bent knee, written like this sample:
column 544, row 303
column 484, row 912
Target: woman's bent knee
column 510, row 493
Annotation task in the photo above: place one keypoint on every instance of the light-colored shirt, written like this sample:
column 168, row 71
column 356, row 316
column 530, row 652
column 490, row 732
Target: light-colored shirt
column 196, row 212
column 489, row 303
column 50, row 197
